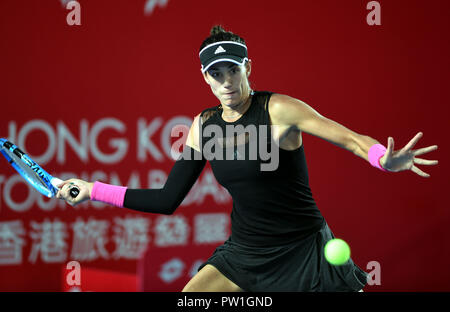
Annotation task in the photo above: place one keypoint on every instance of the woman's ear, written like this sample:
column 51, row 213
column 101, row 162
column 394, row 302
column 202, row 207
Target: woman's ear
column 248, row 67
column 205, row 76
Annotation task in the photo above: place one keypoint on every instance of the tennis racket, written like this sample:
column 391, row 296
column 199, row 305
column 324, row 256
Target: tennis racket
column 37, row 177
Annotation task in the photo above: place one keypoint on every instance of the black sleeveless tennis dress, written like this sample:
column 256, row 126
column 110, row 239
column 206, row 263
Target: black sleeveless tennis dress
column 277, row 231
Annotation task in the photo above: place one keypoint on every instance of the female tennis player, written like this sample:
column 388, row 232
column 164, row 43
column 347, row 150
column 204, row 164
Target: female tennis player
column 278, row 233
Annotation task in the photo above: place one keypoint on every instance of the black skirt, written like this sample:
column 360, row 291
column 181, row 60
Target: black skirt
column 298, row 266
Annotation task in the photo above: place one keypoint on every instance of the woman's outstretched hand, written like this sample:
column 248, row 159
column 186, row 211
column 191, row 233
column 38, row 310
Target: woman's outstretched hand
column 405, row 158
column 84, row 187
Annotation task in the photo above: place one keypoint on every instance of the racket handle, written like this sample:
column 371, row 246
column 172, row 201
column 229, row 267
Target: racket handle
column 74, row 191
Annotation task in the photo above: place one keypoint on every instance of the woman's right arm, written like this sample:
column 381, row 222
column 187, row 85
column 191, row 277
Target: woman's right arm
column 182, row 177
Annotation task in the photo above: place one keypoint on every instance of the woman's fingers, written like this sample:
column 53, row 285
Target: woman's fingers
column 61, row 185
column 64, row 191
column 60, row 193
column 413, row 141
column 69, row 199
column 421, row 161
column 424, row 150
column 419, row 172
column 390, row 147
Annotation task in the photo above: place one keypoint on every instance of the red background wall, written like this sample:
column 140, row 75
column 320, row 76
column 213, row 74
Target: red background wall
column 387, row 80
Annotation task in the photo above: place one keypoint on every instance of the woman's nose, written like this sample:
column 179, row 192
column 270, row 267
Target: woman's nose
column 228, row 80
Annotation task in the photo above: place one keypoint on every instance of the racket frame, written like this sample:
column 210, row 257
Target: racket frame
column 48, row 185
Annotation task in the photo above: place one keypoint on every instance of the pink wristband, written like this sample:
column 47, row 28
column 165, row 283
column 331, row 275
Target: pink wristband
column 107, row 193
column 376, row 151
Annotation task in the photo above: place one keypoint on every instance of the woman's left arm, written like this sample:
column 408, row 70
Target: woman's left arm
column 288, row 111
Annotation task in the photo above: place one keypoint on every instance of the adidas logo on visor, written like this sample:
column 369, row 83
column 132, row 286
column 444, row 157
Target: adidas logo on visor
column 220, row 50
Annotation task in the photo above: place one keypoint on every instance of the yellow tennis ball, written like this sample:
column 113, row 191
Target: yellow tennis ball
column 337, row 251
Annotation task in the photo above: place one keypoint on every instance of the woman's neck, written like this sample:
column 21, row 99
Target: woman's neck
column 237, row 110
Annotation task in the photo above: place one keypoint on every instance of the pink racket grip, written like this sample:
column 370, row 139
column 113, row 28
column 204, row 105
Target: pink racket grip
column 109, row 194
column 377, row 151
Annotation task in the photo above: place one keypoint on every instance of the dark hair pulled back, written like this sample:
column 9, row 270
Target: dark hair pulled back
column 217, row 34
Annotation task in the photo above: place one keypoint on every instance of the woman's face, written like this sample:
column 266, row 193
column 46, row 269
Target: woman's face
column 229, row 82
